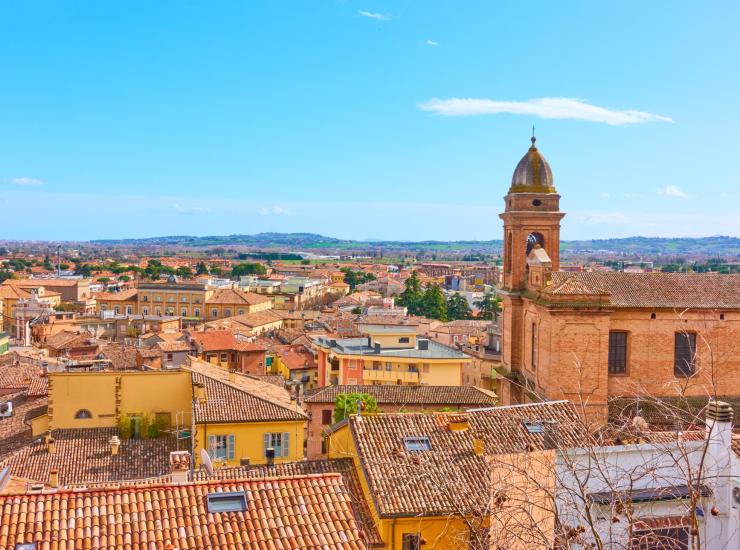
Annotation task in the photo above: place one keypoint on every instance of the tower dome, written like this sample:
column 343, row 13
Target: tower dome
column 532, row 174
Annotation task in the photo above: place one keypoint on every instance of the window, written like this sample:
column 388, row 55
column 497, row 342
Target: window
column 417, row 444
column 145, row 298
column 278, row 441
column 169, row 357
column 184, row 312
column 129, row 310
column 158, row 311
column 226, row 502
column 671, row 538
column 685, row 354
column 184, row 299
column 411, row 541
column 170, row 299
column 617, row 352
column 221, row 447
column 404, row 340
column 145, row 310
column 227, row 313
column 157, row 298
column 214, row 313
column 534, row 427
column 326, row 416
column 116, row 310
column 196, row 300
column 533, row 362
column 389, row 366
column 196, row 312
column 240, row 312
column 83, row 414
column 224, row 357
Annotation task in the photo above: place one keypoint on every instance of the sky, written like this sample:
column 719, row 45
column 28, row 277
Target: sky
column 396, row 120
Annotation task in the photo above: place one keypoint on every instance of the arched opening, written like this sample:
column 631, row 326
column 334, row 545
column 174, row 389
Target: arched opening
column 533, row 239
column 83, row 414
column 507, row 254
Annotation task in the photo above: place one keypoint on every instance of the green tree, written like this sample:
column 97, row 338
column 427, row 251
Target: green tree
column 63, row 266
column 412, row 295
column 84, row 270
column 305, row 262
column 354, row 278
column 217, row 271
column 489, row 306
column 458, row 307
column 5, row 275
column 240, row 270
column 433, row 303
column 346, row 405
column 124, row 278
column 104, row 279
column 184, row 272
column 201, row 268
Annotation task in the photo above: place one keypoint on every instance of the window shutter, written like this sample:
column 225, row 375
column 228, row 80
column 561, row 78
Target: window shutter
column 211, row 444
column 286, row 444
column 230, row 444
column 266, row 443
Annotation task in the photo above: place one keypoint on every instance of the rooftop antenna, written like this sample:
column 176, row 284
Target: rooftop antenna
column 205, row 459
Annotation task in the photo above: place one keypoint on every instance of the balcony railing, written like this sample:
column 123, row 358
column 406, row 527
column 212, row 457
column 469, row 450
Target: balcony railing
column 391, row 376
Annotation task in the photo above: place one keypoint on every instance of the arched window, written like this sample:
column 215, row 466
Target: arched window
column 509, row 244
column 533, row 239
column 83, row 414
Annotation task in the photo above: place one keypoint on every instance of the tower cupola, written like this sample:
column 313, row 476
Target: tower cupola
column 532, row 174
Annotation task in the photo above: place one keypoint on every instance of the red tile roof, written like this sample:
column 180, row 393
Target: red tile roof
column 307, row 512
column 412, row 395
column 234, row 296
column 659, row 290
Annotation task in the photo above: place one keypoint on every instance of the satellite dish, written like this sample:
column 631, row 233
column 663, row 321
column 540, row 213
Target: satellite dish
column 206, row 460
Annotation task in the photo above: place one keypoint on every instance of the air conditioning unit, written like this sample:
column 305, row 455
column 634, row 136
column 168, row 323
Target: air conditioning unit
column 6, row 409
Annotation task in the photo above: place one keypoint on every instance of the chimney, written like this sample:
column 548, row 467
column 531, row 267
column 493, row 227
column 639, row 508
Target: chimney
column 115, row 444
column 54, row 479
column 270, row 456
column 179, row 466
column 718, row 462
column 479, row 447
column 458, row 422
column 51, row 445
column 232, row 376
column 199, row 391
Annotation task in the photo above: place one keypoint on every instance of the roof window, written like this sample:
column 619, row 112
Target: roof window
column 417, row 444
column 534, row 427
column 227, row 502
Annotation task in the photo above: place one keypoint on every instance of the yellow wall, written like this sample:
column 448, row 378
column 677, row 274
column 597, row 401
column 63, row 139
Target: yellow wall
column 140, row 392
column 39, row 425
column 390, row 340
column 249, row 439
column 439, row 532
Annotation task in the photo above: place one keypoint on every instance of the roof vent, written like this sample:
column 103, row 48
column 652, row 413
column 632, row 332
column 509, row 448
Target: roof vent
column 6, row 409
column 719, row 411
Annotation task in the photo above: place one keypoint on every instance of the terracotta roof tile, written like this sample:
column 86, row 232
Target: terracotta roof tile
column 226, row 402
column 122, row 296
column 308, row 512
column 19, row 376
column 449, row 477
column 234, row 296
column 412, row 395
column 170, row 347
column 659, row 290
column 15, row 432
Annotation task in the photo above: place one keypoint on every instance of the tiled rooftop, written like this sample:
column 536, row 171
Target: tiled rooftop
column 84, row 455
column 307, row 512
column 450, row 477
column 659, row 290
column 15, row 432
column 226, row 402
column 233, row 296
column 411, row 395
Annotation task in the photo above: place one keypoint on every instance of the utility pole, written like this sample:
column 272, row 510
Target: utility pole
column 59, row 261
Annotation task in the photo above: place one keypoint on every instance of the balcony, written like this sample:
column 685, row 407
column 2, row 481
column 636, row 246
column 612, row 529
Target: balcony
column 390, row 376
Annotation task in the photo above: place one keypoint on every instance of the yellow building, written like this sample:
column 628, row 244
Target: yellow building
column 123, row 303
column 234, row 417
column 238, row 418
column 388, row 354
column 427, row 477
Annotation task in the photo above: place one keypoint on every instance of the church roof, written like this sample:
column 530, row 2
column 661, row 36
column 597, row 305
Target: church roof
column 532, row 174
column 657, row 290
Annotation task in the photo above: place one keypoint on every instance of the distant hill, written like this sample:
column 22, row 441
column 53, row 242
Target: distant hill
column 648, row 246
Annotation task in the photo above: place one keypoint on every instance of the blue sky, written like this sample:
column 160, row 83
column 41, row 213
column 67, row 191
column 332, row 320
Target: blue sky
column 364, row 119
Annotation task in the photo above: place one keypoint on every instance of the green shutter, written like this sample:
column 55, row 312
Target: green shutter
column 286, row 444
column 266, row 444
column 230, row 447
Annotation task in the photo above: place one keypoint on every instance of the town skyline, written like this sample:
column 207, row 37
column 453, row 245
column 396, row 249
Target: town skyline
column 340, row 117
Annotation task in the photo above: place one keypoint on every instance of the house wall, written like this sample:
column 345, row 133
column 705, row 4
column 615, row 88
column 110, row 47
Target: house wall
column 249, row 439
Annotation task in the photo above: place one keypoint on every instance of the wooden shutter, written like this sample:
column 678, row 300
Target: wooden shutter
column 266, row 441
column 685, row 348
column 617, row 352
column 286, row 444
column 230, row 447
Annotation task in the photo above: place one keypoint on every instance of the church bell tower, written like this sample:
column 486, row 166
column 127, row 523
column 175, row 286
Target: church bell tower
column 531, row 218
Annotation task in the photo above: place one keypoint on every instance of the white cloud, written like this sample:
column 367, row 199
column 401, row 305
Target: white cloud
column 605, row 195
column 275, row 211
column 375, row 15
column 189, row 209
column 27, row 181
column 545, row 107
column 432, row 43
column 673, row 191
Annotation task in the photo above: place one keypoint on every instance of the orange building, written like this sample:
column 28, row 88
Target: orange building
column 594, row 337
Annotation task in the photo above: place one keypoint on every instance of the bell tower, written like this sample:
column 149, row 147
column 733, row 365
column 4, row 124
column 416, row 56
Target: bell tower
column 531, row 217
column 531, row 222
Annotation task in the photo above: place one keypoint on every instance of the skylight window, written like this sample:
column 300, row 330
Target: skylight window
column 534, row 427
column 417, row 444
column 227, row 502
